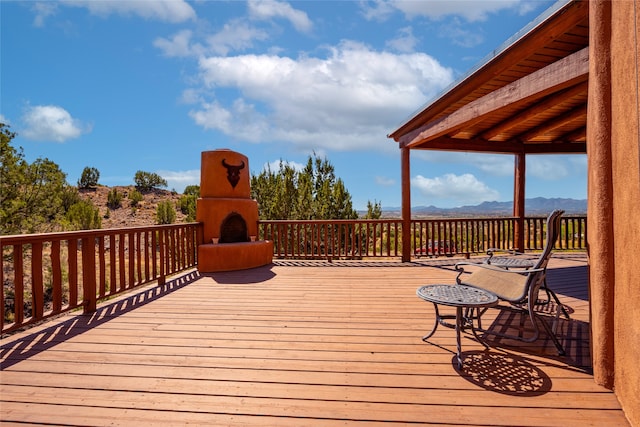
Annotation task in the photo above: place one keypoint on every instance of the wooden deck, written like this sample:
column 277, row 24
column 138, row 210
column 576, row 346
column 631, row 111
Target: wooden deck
column 299, row 344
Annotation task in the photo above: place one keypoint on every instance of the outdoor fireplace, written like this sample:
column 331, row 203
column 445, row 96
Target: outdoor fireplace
column 229, row 215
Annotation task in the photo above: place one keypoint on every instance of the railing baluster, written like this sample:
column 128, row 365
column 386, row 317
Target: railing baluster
column 102, row 272
column 56, row 277
column 89, row 274
column 37, row 288
column 72, row 253
column 18, row 284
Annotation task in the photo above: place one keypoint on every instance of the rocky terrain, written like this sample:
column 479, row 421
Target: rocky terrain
column 126, row 215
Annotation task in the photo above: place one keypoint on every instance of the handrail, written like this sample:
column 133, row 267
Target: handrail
column 327, row 239
column 356, row 239
column 44, row 275
column 53, row 273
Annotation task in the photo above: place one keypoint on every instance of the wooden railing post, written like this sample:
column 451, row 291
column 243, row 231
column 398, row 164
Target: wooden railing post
column 89, row 274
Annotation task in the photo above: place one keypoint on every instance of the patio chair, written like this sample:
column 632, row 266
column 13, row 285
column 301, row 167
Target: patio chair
column 521, row 260
column 518, row 286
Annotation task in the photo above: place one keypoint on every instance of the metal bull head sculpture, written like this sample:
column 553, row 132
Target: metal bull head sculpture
column 233, row 172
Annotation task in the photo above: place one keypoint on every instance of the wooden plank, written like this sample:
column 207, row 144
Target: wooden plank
column 560, row 75
column 323, row 344
column 535, row 109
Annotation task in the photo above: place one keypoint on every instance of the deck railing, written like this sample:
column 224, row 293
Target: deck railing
column 44, row 275
column 324, row 239
column 357, row 239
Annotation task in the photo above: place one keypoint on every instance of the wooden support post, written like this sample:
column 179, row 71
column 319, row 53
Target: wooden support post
column 406, row 204
column 518, row 201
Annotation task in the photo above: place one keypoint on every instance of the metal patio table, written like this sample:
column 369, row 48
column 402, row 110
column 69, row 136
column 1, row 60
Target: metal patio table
column 461, row 297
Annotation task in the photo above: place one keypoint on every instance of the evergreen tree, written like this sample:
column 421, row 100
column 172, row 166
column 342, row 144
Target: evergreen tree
column 89, row 178
column 147, row 181
column 312, row 193
column 33, row 197
column 374, row 210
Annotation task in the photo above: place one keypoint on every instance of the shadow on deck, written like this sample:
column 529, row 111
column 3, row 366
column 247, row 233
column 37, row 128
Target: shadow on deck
column 300, row 343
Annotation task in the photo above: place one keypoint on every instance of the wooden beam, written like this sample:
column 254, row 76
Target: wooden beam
column 477, row 145
column 536, row 109
column 559, row 147
column 561, row 74
column 528, row 44
column 576, row 135
column 554, row 123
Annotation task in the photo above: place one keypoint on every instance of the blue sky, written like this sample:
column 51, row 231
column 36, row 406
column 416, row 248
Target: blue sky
column 148, row 85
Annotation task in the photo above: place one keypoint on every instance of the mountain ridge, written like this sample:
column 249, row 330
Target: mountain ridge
column 533, row 206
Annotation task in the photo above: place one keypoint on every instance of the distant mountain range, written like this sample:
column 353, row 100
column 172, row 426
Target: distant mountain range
column 535, row 206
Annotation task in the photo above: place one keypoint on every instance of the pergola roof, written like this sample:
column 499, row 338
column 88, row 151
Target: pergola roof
column 530, row 96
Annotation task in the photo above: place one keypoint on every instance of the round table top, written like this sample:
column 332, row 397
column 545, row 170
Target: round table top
column 512, row 262
column 457, row 295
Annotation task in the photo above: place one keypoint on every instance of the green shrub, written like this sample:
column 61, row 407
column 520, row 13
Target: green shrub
column 114, row 199
column 135, row 197
column 84, row 216
column 70, row 197
column 165, row 212
column 192, row 190
column 187, row 204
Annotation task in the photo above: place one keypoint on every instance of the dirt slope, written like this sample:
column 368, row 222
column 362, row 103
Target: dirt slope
column 127, row 216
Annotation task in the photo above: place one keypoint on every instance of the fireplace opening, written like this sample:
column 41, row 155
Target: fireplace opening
column 233, row 229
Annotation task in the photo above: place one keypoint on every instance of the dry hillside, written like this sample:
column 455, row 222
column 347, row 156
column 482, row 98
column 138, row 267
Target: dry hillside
column 125, row 215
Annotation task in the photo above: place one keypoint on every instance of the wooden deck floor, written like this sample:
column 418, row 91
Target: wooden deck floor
column 299, row 344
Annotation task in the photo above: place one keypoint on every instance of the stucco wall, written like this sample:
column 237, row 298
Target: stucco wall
column 614, row 198
column 625, row 141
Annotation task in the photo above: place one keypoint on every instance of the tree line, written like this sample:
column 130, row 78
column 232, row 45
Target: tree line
column 35, row 197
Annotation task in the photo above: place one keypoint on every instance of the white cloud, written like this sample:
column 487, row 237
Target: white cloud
column 377, row 10
column 234, row 36
column 179, row 45
column 267, row 9
column 178, row 180
column 42, row 11
column 384, row 181
column 4, row 120
column 240, row 121
column 335, row 102
column 190, row 96
column 405, row 42
column 173, row 11
column 459, row 33
column 548, row 168
column 274, row 166
column 438, row 9
column 457, row 188
column 493, row 164
column 51, row 123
